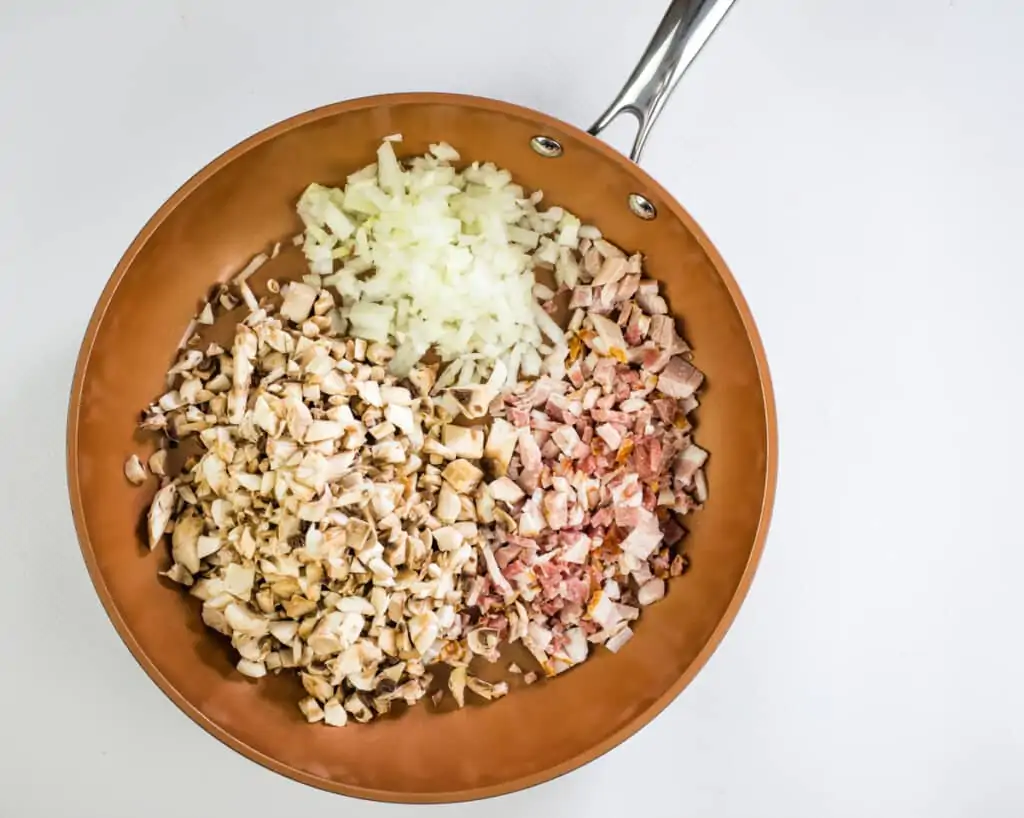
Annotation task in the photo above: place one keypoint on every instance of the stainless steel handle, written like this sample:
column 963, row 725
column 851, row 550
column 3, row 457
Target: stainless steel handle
column 682, row 33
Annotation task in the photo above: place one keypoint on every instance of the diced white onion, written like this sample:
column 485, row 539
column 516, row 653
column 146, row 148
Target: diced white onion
column 435, row 258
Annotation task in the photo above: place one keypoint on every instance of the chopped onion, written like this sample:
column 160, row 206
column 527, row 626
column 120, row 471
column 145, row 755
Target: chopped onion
column 435, row 258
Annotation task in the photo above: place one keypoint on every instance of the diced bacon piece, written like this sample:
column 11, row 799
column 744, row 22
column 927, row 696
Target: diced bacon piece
column 566, row 438
column 645, row 538
column 530, row 457
column 602, row 610
column 649, row 300
column 604, row 374
column 602, row 517
column 673, row 531
column 577, row 590
column 647, row 454
column 518, row 417
column 666, row 409
column 506, row 554
column 610, row 416
column 651, row 591
column 549, row 451
column 688, row 462
column 663, row 333
column 612, row 271
column 616, row 642
column 627, row 288
column 609, row 435
column 651, row 358
column 634, row 333
column 541, row 422
column 575, row 374
column 556, row 509
column 680, row 379
column 575, row 547
column 531, row 519
column 627, row 517
column 609, row 335
column 582, row 297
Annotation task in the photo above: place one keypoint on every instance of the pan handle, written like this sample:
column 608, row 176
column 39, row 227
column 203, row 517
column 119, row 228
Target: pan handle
column 682, row 33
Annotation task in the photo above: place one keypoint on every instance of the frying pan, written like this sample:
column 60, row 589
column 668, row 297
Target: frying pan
column 229, row 212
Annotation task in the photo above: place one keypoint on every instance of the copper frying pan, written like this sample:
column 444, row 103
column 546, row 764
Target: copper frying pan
column 230, row 211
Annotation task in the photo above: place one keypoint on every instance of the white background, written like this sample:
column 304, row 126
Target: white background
column 859, row 164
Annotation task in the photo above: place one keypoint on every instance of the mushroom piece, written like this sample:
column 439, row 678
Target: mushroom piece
column 311, row 709
column 254, row 670
column 158, row 462
column 298, row 302
column 462, row 476
column 185, row 541
column 457, row 684
column 474, row 401
column 160, row 513
column 487, row 690
column 501, row 443
column 335, row 714
column 134, row 470
column 463, row 441
column 483, row 642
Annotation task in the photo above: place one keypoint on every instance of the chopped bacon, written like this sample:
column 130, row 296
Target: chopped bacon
column 649, row 300
column 673, row 531
column 666, row 409
column 610, row 416
column 687, row 463
column 604, row 374
column 506, row 554
column 627, row 288
column 634, row 329
column 556, row 509
column 577, row 590
column 582, row 297
column 604, row 456
column 575, row 374
column 621, row 390
column 518, row 417
column 602, row 517
column 530, row 457
column 648, row 458
column 627, row 516
column 654, row 359
column 541, row 422
column 680, row 379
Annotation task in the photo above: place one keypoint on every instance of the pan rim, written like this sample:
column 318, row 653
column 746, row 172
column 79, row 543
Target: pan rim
column 574, row 762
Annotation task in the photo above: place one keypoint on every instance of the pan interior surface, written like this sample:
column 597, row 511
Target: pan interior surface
column 239, row 206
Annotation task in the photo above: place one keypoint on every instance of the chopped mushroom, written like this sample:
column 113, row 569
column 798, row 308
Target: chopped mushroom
column 158, row 462
column 462, row 476
column 463, row 441
column 160, row 513
column 134, row 470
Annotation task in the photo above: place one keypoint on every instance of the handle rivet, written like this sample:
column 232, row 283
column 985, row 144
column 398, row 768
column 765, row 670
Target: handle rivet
column 642, row 207
column 546, row 146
